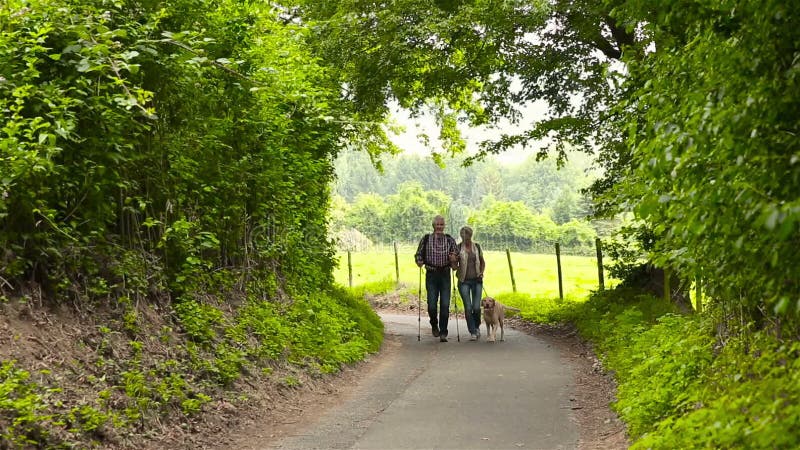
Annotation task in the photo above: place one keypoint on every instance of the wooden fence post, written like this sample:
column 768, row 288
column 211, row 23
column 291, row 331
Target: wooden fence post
column 396, row 265
column 511, row 271
column 600, row 264
column 350, row 268
column 560, row 279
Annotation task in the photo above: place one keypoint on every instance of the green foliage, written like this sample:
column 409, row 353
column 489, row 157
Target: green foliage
column 21, row 405
column 326, row 329
column 367, row 214
column 200, row 321
column 176, row 154
column 192, row 405
column 87, row 419
column 627, row 249
column 576, row 233
column 542, row 186
column 512, row 225
column 314, row 333
column 404, row 217
column 31, row 416
column 696, row 135
column 679, row 386
column 666, row 360
column 291, row 381
column 327, row 332
column 713, row 137
column 365, row 319
column 540, row 308
column 412, row 209
column 749, row 399
column 182, row 133
column 378, row 287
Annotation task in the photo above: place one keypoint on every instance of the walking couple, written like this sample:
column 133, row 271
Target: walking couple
column 440, row 254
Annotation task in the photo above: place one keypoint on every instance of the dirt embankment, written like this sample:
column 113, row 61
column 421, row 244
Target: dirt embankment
column 67, row 349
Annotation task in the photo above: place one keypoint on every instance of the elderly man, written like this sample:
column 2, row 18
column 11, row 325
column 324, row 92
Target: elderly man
column 438, row 252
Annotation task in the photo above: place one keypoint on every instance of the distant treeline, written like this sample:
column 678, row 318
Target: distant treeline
column 540, row 185
column 499, row 224
column 527, row 206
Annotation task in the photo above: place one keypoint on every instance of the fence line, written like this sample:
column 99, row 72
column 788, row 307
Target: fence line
column 544, row 248
column 373, row 265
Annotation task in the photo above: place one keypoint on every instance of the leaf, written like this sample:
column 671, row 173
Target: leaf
column 74, row 48
column 782, row 306
column 83, row 65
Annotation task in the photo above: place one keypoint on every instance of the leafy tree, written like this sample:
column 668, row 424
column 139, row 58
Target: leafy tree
column 368, row 214
column 567, row 206
column 179, row 133
column 542, row 184
column 693, row 131
column 713, row 133
column 539, row 184
column 178, row 153
column 356, row 174
column 511, row 225
column 337, row 213
column 469, row 54
column 410, row 212
column 576, row 233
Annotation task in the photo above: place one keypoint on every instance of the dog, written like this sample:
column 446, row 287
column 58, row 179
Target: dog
column 493, row 314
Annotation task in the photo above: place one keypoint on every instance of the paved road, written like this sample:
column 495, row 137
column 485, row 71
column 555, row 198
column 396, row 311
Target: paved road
column 454, row 395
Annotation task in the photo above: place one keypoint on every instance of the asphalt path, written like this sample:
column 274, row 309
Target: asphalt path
column 462, row 395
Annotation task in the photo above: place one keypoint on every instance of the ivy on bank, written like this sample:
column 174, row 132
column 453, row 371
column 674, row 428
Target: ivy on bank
column 127, row 389
column 683, row 384
column 167, row 162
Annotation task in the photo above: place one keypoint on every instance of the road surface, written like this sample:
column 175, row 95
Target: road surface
column 455, row 395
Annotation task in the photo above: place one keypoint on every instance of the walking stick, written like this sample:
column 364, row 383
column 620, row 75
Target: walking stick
column 419, row 306
column 455, row 303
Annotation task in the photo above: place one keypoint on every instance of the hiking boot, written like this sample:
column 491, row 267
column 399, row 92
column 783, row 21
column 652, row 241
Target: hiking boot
column 435, row 330
column 473, row 337
column 443, row 339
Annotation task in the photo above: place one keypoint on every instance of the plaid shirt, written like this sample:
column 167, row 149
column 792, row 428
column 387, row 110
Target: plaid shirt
column 435, row 255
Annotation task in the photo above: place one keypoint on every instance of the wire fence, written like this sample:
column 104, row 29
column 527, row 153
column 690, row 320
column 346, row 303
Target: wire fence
column 550, row 274
column 373, row 228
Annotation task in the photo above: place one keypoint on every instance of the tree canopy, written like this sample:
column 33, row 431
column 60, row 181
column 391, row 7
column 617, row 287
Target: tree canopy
column 690, row 108
column 192, row 129
column 180, row 138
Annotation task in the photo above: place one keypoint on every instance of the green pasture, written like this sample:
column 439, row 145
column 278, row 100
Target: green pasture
column 536, row 275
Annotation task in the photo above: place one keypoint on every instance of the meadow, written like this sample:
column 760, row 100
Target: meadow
column 535, row 275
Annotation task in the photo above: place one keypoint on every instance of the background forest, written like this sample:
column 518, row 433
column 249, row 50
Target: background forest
column 165, row 188
column 527, row 207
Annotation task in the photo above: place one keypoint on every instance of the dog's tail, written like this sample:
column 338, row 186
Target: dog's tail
column 511, row 308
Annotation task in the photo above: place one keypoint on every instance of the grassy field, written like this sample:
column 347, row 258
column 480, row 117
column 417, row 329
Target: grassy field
column 535, row 275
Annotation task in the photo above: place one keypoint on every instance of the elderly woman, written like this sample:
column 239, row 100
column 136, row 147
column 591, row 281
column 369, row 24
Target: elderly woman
column 470, row 280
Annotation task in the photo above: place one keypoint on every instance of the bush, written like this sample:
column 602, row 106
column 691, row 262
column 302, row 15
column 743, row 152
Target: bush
column 681, row 387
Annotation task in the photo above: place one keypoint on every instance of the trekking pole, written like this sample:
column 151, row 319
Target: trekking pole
column 455, row 303
column 419, row 307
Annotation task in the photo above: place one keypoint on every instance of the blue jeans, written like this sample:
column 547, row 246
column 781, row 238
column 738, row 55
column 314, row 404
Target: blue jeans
column 437, row 283
column 470, row 291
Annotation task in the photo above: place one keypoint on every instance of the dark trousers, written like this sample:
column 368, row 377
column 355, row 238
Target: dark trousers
column 437, row 283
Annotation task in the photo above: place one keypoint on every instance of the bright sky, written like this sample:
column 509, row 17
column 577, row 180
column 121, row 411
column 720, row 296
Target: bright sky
column 409, row 142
